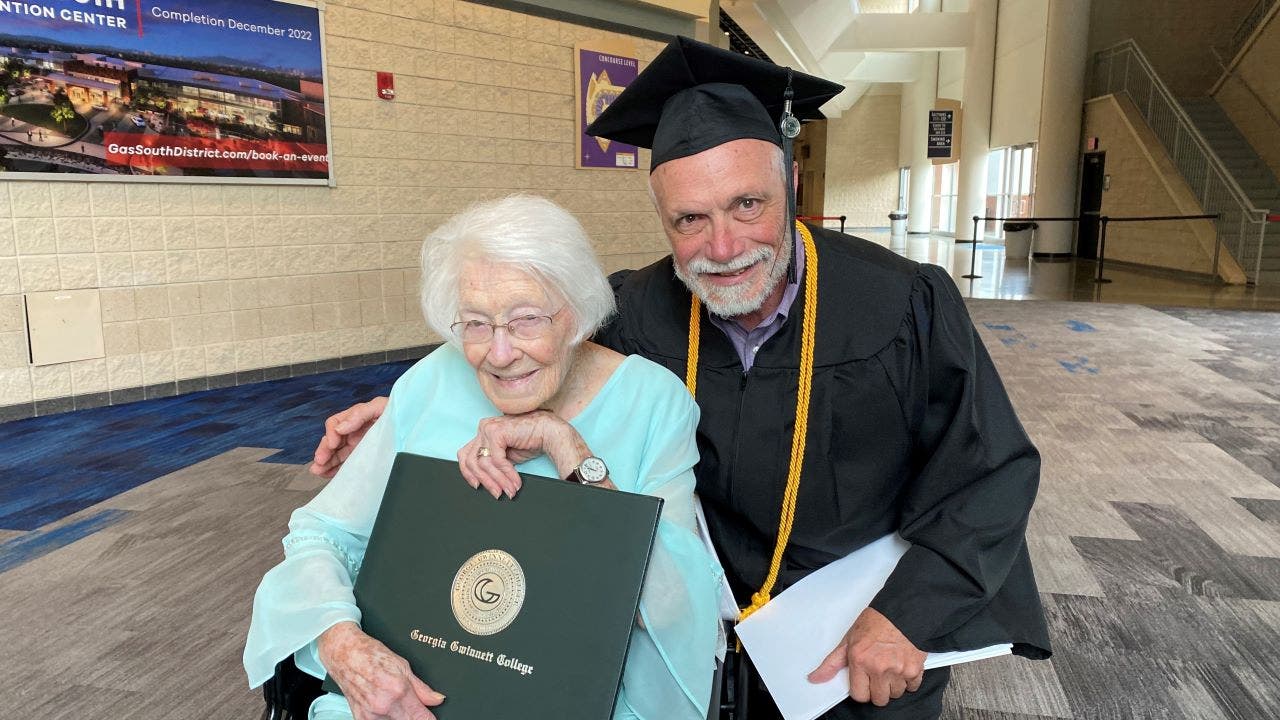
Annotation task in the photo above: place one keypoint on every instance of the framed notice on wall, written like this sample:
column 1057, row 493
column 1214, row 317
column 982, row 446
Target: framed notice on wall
column 601, row 72
column 145, row 90
column 943, row 130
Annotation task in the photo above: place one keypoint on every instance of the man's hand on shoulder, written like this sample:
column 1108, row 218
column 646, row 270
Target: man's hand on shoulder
column 883, row 664
column 343, row 431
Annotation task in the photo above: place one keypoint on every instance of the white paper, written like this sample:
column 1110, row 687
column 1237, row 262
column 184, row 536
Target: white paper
column 728, row 607
column 788, row 638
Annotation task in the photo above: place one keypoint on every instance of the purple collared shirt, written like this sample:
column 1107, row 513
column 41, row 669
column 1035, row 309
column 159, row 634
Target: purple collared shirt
column 748, row 342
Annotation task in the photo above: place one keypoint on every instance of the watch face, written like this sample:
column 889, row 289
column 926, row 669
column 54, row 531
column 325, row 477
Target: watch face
column 593, row 470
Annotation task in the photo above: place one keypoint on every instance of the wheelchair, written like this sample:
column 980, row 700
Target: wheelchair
column 290, row 691
column 288, row 694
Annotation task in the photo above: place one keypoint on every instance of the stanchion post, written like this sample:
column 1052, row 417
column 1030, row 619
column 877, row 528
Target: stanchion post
column 1217, row 251
column 973, row 253
column 1102, row 249
column 842, row 218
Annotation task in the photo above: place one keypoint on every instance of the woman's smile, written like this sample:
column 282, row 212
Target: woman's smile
column 513, row 382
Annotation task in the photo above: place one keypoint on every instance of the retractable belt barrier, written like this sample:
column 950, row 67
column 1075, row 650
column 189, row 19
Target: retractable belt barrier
column 1106, row 220
column 820, row 218
column 973, row 257
column 1102, row 238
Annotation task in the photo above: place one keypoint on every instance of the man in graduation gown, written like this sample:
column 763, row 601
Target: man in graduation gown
column 903, row 423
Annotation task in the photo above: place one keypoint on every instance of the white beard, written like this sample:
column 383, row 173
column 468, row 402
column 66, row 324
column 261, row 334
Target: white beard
column 740, row 299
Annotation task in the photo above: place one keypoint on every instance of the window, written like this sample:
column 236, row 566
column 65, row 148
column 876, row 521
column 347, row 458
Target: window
column 1010, row 172
column 945, row 184
column 904, row 187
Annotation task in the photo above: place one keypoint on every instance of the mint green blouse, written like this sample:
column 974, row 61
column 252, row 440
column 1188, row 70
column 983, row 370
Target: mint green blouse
column 642, row 422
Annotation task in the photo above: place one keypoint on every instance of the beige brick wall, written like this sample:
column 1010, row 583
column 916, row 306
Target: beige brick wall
column 201, row 280
column 1144, row 182
column 1251, row 95
column 862, row 161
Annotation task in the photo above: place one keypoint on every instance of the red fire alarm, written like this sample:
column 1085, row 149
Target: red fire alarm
column 386, row 86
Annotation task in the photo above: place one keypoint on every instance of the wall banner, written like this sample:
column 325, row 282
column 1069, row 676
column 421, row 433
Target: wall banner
column 163, row 90
column 602, row 73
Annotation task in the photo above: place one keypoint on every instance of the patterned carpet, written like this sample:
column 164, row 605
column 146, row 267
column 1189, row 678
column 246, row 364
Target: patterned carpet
column 59, row 464
column 1156, row 535
column 133, row 536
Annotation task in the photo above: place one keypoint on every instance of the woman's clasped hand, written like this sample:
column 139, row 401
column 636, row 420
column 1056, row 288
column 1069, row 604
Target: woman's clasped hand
column 503, row 442
column 377, row 682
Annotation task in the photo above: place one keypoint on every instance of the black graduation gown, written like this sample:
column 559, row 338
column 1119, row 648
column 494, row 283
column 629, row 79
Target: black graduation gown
column 910, row 429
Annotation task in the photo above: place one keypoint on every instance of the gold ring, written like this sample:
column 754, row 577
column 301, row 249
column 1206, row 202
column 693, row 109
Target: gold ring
column 482, row 452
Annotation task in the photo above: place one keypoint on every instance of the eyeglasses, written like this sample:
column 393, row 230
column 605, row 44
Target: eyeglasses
column 525, row 327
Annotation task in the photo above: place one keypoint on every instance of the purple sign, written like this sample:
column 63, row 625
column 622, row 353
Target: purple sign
column 601, row 77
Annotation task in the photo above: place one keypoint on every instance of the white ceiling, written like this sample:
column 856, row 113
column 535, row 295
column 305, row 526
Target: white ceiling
column 854, row 44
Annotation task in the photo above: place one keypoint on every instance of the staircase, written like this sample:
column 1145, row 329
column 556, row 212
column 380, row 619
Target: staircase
column 1253, row 175
column 1250, row 172
column 1242, row 227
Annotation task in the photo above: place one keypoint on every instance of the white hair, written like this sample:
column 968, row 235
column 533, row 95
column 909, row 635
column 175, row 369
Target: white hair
column 529, row 233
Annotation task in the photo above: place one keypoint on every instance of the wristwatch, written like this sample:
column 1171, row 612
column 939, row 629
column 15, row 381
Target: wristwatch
column 592, row 471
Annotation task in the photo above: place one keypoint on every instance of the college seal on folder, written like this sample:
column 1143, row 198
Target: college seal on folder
column 488, row 592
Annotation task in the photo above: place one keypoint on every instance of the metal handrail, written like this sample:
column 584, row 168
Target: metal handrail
column 1191, row 154
column 1247, row 25
column 1229, row 71
column 1183, row 119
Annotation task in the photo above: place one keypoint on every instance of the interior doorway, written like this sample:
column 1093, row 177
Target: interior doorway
column 1092, row 179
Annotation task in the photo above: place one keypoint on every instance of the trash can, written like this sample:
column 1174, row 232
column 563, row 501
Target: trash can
column 898, row 227
column 1017, row 239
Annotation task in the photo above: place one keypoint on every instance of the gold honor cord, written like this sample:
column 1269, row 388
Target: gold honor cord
column 808, row 330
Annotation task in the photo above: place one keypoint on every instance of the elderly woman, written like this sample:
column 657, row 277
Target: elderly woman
column 515, row 287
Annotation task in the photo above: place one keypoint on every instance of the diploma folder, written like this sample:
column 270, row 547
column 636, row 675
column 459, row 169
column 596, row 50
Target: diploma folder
column 513, row 608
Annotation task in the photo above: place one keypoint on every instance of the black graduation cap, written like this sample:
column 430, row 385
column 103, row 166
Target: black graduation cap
column 695, row 96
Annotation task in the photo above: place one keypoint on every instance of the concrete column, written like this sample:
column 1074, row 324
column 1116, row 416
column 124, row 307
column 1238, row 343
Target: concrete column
column 922, row 94
column 1061, row 108
column 920, row 192
column 979, row 72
